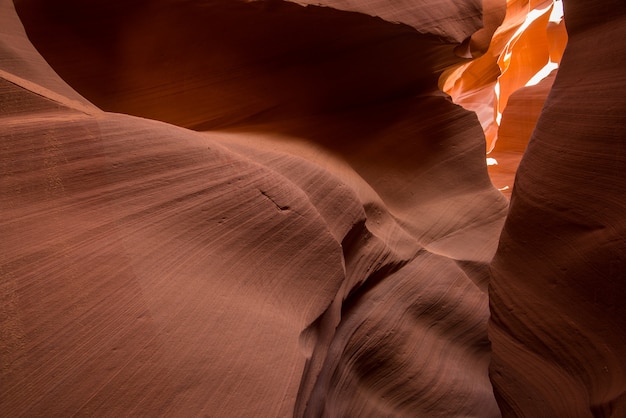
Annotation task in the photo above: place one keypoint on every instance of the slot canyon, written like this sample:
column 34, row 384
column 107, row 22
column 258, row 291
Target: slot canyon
column 339, row 208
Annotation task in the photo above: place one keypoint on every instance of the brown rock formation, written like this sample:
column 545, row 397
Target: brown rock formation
column 306, row 226
column 207, row 65
column 558, row 326
column 310, row 261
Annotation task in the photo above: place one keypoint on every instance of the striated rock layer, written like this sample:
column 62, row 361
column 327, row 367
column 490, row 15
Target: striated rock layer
column 558, row 323
column 327, row 255
column 286, row 217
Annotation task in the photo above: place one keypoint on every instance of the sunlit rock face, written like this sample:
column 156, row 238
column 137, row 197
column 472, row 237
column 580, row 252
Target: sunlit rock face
column 516, row 126
column 324, row 253
column 523, row 49
column 558, row 324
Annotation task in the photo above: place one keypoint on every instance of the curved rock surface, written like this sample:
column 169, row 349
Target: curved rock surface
column 311, row 260
column 268, row 209
column 558, row 324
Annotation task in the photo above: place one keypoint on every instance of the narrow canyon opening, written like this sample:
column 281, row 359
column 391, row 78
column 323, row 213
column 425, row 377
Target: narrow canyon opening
column 508, row 84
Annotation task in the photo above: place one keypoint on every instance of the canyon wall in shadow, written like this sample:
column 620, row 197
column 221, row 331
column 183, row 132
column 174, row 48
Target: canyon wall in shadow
column 558, row 321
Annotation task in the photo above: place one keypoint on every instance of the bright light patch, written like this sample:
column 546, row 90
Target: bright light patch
column 543, row 73
column 492, row 161
column 532, row 16
column 556, row 15
column 557, row 12
column 498, row 113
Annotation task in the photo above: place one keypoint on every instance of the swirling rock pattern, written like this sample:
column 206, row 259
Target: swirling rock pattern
column 558, row 324
column 237, row 213
column 308, row 261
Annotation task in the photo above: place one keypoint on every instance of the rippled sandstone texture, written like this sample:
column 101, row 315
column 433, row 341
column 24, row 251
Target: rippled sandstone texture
column 318, row 244
column 326, row 255
column 558, row 318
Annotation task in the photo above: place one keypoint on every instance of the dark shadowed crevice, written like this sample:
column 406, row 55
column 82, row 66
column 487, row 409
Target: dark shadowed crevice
column 208, row 65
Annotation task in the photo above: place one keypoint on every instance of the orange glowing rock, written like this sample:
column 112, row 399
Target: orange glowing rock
column 517, row 52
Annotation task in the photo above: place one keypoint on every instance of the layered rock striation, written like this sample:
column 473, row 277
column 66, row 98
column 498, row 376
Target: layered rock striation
column 557, row 326
column 270, row 209
column 309, row 258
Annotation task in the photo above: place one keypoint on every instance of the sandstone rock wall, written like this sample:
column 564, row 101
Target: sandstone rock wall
column 310, row 260
column 557, row 326
column 269, row 209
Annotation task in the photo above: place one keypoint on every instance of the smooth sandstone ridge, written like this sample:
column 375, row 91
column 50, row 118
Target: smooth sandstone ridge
column 269, row 209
